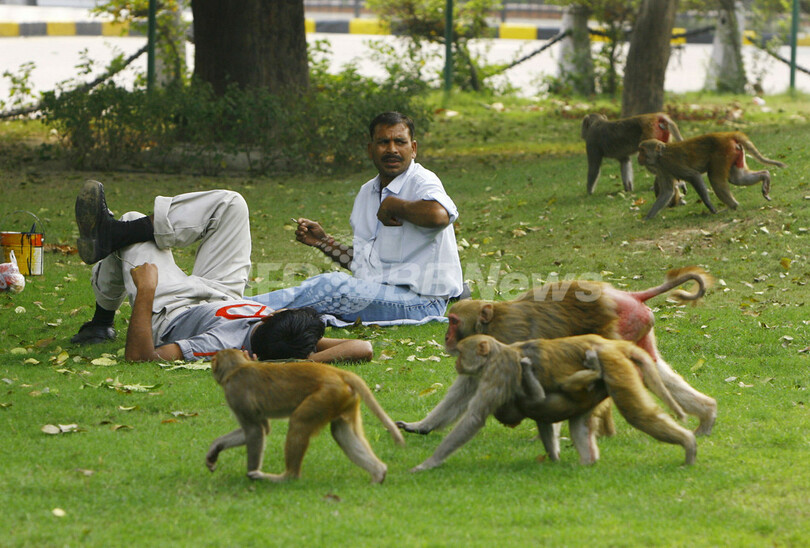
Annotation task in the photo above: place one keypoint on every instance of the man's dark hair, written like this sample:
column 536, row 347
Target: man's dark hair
column 288, row 334
column 391, row 119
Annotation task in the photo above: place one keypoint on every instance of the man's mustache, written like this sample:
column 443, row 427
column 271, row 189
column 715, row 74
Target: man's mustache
column 391, row 157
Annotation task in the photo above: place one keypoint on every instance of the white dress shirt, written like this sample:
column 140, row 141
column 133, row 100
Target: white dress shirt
column 423, row 259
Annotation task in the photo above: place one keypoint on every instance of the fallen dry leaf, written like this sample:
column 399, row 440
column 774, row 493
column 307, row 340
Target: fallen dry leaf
column 430, row 390
column 60, row 248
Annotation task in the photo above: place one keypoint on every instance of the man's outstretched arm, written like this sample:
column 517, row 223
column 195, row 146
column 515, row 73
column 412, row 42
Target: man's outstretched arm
column 311, row 233
column 140, row 346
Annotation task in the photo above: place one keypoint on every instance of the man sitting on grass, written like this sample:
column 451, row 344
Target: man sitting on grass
column 180, row 316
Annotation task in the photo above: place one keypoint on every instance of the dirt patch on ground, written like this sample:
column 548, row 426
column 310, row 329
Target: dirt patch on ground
column 673, row 242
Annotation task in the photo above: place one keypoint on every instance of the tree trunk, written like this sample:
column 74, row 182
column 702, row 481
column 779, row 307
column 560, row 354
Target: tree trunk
column 648, row 57
column 252, row 43
column 726, row 71
column 575, row 66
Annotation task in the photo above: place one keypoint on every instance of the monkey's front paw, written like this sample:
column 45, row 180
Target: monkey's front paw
column 427, row 465
column 379, row 475
column 211, row 462
column 412, row 427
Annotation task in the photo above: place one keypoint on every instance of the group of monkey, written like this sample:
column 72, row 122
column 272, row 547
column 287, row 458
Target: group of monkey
column 720, row 155
column 562, row 351
column 559, row 352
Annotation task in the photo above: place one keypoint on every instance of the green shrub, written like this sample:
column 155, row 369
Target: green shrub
column 188, row 128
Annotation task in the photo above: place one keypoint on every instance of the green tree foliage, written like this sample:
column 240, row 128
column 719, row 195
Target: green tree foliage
column 423, row 21
column 190, row 128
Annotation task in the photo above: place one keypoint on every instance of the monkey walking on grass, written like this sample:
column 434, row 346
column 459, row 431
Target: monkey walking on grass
column 576, row 374
column 312, row 395
column 720, row 155
column 619, row 139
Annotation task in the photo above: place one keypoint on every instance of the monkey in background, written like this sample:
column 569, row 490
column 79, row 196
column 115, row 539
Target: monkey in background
column 312, row 395
column 720, row 155
column 620, row 139
column 495, row 371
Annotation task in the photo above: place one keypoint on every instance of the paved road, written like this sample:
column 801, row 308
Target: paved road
column 56, row 58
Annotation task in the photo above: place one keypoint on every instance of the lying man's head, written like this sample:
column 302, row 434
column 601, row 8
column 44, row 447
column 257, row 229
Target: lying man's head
column 287, row 334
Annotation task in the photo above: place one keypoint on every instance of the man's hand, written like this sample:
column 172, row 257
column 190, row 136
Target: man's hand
column 389, row 209
column 145, row 276
column 309, row 232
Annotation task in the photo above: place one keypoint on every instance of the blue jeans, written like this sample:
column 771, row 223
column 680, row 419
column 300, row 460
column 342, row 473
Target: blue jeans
column 349, row 298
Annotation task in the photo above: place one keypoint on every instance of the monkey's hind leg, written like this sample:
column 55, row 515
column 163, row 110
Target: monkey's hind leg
column 584, row 438
column 602, row 419
column 348, row 433
column 305, row 421
column 638, row 407
column 626, row 170
column 692, row 401
column 742, row 177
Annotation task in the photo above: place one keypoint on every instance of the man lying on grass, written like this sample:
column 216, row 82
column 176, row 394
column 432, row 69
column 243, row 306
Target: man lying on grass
column 180, row 316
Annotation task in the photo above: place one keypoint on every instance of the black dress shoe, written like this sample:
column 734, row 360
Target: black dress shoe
column 93, row 333
column 94, row 220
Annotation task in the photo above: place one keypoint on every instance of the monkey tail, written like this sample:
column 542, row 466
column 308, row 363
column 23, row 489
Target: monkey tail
column 652, row 379
column 362, row 388
column 676, row 277
column 752, row 150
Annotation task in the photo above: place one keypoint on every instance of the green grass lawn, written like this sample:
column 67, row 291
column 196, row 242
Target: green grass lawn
column 132, row 473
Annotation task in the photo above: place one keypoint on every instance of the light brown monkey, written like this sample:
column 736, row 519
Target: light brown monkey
column 720, row 155
column 619, row 139
column 495, row 369
column 311, row 394
column 562, row 309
